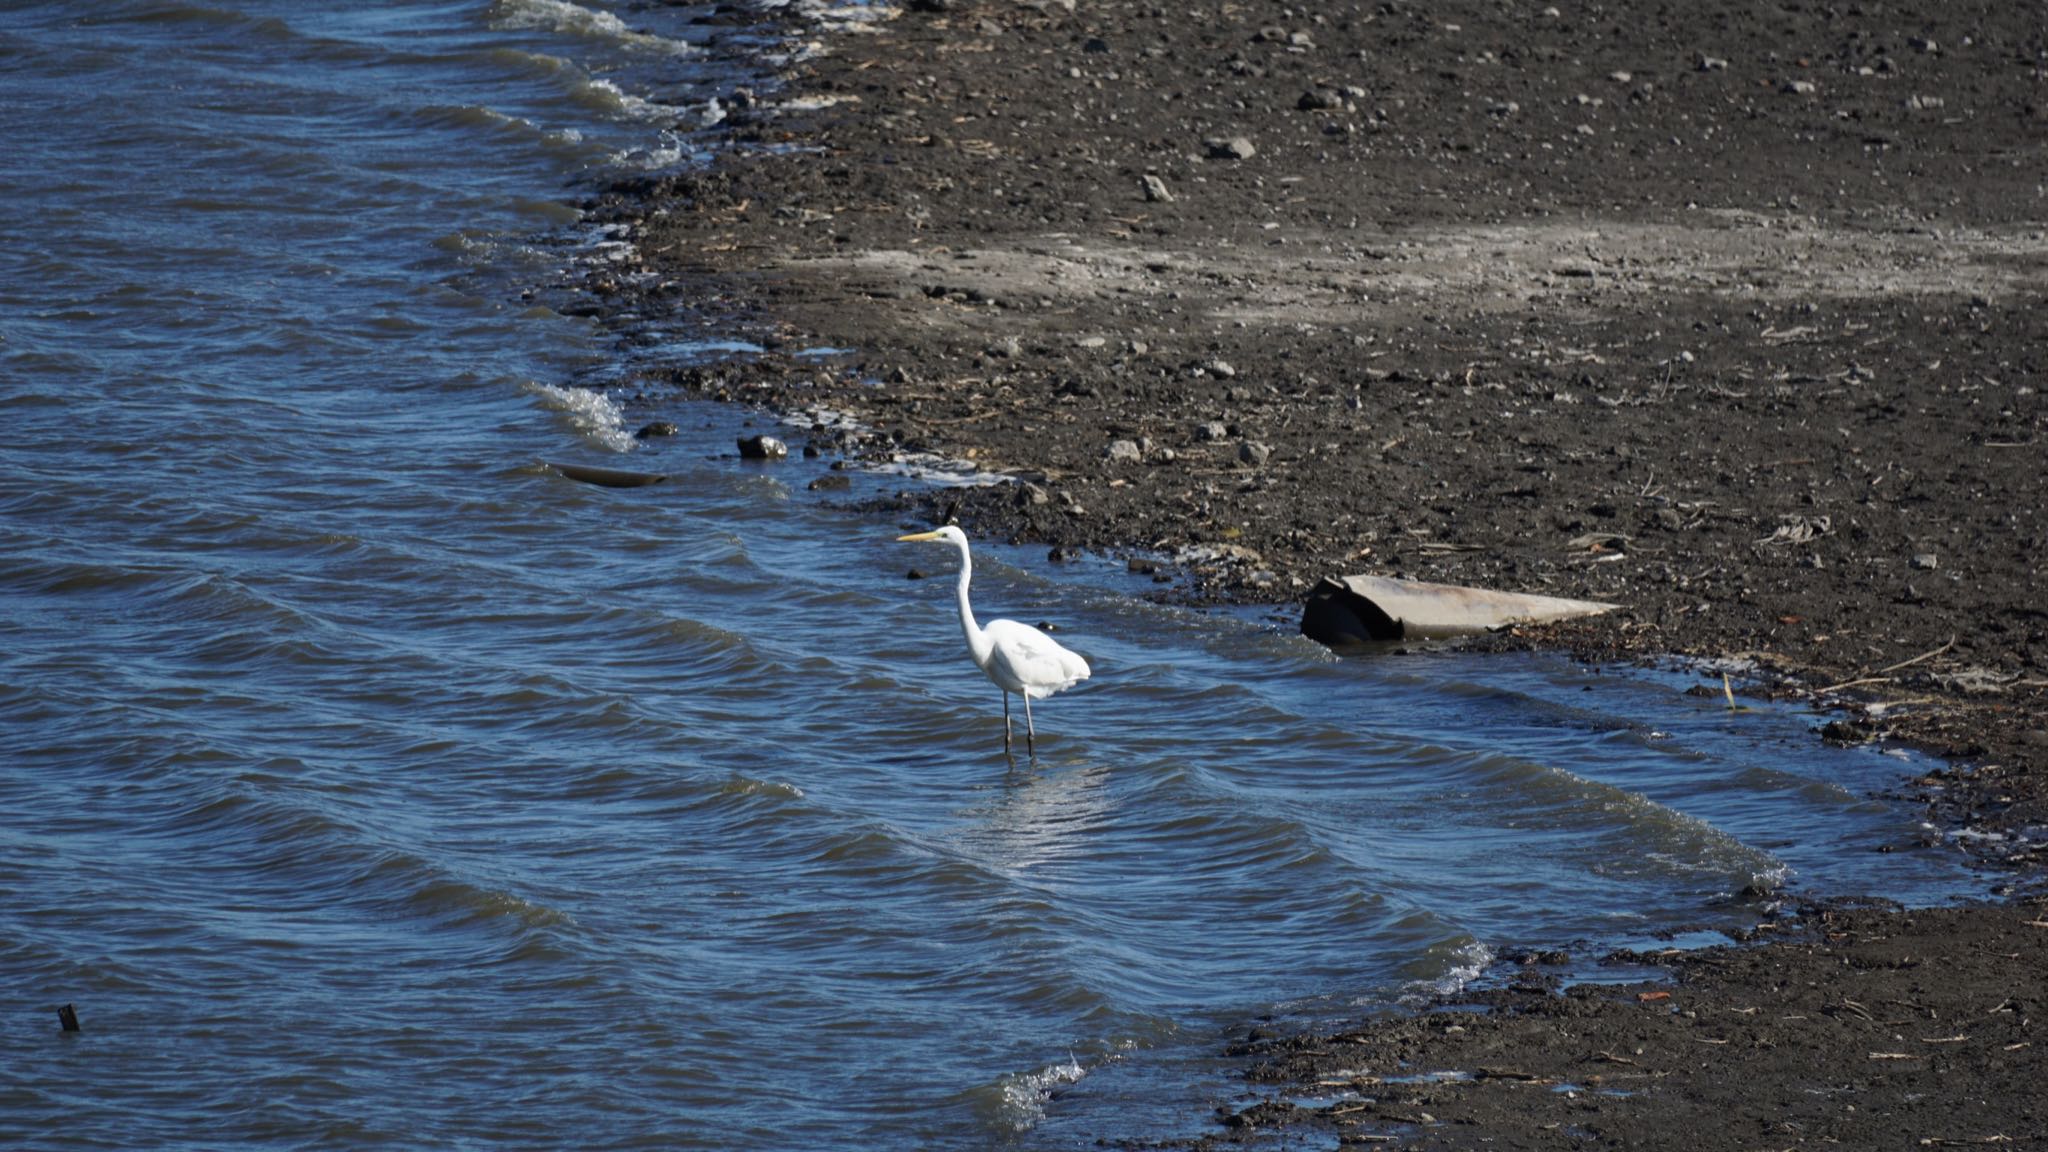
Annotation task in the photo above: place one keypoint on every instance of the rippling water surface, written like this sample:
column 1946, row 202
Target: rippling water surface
column 363, row 782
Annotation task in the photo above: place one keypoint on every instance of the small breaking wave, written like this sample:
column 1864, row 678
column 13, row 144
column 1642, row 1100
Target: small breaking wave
column 747, row 786
column 593, row 414
column 1016, row 1102
column 668, row 155
column 457, row 902
column 1468, row 960
column 576, row 20
column 1461, row 963
column 609, row 98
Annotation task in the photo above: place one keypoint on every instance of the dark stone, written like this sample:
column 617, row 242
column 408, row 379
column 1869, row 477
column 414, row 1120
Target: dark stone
column 1844, row 732
column 762, row 448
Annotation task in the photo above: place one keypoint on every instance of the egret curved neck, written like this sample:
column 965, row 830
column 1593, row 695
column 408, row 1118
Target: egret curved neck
column 978, row 642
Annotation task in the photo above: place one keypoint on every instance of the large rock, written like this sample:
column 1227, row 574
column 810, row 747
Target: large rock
column 1358, row 609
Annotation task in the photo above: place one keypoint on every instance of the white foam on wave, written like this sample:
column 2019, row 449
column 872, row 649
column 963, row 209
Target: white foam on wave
column 593, row 414
column 748, row 786
column 648, row 159
column 1022, row 1096
column 576, row 20
column 1467, row 963
column 832, row 16
column 1773, row 877
column 609, row 97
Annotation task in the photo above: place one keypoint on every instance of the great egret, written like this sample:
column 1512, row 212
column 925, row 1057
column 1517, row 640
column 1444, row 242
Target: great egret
column 1018, row 657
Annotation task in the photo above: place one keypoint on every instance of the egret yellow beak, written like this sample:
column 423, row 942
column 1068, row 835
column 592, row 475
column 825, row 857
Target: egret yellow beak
column 918, row 536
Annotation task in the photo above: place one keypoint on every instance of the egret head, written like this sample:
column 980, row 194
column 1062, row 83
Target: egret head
column 949, row 534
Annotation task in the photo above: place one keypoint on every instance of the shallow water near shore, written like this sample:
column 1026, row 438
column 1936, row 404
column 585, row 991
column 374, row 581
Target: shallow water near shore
column 368, row 783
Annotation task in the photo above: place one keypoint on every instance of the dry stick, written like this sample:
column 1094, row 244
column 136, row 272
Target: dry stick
column 967, row 419
column 1917, row 659
column 1349, row 1111
column 1880, row 678
column 1855, row 684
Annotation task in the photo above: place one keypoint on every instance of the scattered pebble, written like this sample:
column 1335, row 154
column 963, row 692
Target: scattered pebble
column 1230, row 148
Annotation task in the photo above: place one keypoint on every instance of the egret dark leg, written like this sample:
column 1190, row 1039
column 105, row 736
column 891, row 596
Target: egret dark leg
column 1006, row 718
column 1030, row 733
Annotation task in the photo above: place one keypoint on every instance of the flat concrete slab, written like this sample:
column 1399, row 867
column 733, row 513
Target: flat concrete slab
column 1362, row 609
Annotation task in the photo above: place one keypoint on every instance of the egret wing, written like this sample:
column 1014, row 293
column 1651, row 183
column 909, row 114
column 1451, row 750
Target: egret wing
column 1027, row 660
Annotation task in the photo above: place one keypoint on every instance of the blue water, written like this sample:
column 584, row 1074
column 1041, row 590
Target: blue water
column 367, row 783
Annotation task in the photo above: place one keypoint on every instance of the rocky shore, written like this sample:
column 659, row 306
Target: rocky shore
column 1731, row 315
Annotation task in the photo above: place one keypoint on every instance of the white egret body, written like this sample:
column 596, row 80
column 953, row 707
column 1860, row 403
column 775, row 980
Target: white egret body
column 1018, row 657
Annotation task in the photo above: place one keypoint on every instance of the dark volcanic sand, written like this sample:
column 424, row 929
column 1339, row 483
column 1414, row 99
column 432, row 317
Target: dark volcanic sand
column 1731, row 314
